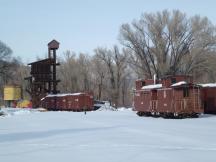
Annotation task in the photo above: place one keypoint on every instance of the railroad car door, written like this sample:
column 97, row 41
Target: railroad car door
column 177, row 99
column 197, row 99
column 209, row 100
column 165, row 100
column 153, row 101
column 185, row 97
column 76, row 102
column 210, row 104
column 64, row 103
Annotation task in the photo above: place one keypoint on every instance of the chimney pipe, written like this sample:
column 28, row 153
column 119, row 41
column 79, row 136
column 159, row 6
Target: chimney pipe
column 155, row 77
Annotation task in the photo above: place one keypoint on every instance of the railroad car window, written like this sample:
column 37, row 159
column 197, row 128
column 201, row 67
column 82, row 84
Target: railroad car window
column 143, row 83
column 173, row 80
column 185, row 92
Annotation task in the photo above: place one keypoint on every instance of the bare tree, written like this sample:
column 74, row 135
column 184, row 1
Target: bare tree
column 99, row 73
column 5, row 61
column 168, row 43
column 84, row 72
column 74, row 72
column 68, row 73
column 115, row 63
column 18, row 77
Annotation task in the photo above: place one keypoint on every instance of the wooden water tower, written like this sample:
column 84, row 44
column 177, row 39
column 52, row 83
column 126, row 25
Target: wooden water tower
column 43, row 76
column 52, row 47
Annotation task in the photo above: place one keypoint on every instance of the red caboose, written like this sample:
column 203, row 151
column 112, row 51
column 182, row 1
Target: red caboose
column 176, row 96
column 145, row 99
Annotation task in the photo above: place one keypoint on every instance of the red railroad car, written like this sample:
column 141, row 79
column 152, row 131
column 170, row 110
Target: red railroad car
column 69, row 102
column 145, row 99
column 174, row 96
column 208, row 96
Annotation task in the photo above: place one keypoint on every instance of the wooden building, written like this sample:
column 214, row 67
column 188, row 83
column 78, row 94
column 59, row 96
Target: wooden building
column 43, row 76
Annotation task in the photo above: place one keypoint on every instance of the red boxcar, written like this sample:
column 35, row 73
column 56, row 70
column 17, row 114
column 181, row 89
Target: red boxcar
column 209, row 98
column 176, row 96
column 69, row 102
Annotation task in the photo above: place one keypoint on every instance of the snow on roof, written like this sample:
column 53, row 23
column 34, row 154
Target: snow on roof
column 63, row 94
column 179, row 84
column 208, row 85
column 153, row 86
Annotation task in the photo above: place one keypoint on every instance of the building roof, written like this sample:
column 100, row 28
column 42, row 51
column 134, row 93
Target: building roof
column 153, row 86
column 208, row 85
column 64, row 94
column 183, row 83
column 179, row 84
column 48, row 61
column 53, row 44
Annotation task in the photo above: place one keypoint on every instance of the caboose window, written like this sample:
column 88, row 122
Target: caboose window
column 173, row 80
column 185, row 92
column 143, row 83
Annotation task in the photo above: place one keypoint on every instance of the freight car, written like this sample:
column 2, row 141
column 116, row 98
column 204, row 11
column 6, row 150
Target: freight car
column 169, row 97
column 68, row 102
column 208, row 96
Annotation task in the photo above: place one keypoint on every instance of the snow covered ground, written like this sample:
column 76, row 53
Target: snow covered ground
column 105, row 136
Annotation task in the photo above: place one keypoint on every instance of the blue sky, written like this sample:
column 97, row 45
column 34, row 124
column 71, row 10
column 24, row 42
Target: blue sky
column 79, row 25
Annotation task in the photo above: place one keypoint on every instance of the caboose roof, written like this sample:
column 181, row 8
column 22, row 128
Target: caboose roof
column 183, row 83
column 208, row 85
column 179, row 84
column 153, row 86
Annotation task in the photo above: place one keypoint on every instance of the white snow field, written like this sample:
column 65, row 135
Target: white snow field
column 105, row 136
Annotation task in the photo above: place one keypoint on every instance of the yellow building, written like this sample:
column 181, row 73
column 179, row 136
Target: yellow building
column 12, row 93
